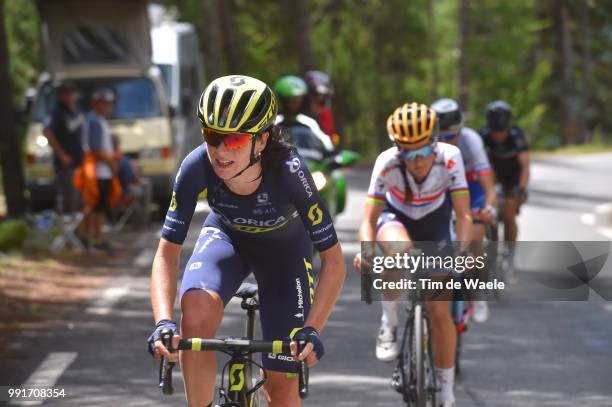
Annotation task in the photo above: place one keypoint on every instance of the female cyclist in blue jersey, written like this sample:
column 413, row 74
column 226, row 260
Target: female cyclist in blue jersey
column 266, row 216
column 407, row 201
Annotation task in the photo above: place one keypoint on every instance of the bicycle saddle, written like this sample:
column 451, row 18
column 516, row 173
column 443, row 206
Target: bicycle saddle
column 246, row 290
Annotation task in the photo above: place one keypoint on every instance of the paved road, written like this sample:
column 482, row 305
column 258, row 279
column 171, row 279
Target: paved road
column 530, row 354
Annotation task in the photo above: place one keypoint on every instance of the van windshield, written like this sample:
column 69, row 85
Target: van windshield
column 136, row 98
column 166, row 71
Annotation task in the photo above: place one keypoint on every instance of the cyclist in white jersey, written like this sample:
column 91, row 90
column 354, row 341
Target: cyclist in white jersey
column 478, row 173
column 407, row 201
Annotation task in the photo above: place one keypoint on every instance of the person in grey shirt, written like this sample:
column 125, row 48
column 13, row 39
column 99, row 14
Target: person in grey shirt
column 100, row 143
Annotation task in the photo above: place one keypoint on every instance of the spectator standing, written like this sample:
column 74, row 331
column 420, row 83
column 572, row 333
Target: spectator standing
column 101, row 146
column 63, row 128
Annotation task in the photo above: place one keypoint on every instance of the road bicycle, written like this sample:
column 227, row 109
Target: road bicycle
column 245, row 387
column 461, row 312
column 414, row 376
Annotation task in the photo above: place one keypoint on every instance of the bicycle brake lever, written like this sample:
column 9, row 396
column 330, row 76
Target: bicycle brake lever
column 302, row 368
column 165, row 366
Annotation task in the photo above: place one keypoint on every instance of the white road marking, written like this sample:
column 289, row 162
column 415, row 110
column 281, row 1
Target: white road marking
column 590, row 220
column 587, row 219
column 110, row 297
column 46, row 375
column 346, row 379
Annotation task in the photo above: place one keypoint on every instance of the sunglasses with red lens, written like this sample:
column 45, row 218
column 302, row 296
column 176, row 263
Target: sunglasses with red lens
column 233, row 141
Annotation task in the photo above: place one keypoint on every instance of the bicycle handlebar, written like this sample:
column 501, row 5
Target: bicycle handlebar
column 232, row 345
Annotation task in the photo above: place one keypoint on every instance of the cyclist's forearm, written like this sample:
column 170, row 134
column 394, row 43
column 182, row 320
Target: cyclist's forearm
column 524, row 178
column 333, row 272
column 464, row 229
column 488, row 185
column 163, row 285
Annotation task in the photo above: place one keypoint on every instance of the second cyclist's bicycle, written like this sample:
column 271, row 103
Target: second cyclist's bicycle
column 415, row 376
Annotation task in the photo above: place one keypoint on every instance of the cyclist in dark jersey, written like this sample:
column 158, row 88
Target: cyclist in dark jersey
column 266, row 216
column 509, row 156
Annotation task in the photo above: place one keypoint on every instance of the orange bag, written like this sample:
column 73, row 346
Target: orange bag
column 86, row 182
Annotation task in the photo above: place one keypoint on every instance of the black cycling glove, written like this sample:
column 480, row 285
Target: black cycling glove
column 156, row 335
column 313, row 337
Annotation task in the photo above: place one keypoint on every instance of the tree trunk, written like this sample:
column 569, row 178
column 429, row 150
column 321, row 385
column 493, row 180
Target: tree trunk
column 585, row 95
column 232, row 47
column 464, row 8
column 566, row 70
column 10, row 151
column 433, row 43
column 300, row 17
column 214, row 40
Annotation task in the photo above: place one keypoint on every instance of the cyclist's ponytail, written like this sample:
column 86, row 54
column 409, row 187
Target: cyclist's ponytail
column 277, row 149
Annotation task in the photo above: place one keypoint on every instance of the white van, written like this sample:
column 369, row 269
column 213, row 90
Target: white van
column 94, row 45
column 176, row 52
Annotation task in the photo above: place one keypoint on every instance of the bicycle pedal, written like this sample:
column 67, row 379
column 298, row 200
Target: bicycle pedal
column 396, row 381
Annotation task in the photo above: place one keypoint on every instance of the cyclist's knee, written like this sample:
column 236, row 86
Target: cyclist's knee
column 202, row 313
column 282, row 391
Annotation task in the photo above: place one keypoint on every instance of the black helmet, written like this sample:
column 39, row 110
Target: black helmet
column 449, row 114
column 499, row 115
column 318, row 83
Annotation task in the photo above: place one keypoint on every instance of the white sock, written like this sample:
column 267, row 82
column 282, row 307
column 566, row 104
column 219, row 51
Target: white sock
column 390, row 310
column 446, row 381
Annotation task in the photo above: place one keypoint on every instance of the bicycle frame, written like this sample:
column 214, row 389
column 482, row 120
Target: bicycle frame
column 240, row 372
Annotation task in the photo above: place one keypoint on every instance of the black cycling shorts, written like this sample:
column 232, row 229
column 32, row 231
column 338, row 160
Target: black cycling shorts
column 433, row 227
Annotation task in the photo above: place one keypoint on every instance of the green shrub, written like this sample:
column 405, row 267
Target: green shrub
column 12, row 234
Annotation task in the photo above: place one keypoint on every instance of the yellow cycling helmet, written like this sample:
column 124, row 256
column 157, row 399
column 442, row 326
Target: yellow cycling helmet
column 237, row 103
column 412, row 125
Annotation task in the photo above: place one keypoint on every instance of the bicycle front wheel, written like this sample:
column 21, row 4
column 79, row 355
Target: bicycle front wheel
column 419, row 359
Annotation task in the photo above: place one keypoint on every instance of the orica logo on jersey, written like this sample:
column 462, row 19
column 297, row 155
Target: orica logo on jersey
column 294, row 165
column 315, row 214
column 258, row 226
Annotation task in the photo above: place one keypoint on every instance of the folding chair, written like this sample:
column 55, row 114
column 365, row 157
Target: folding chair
column 133, row 205
column 68, row 224
column 48, row 222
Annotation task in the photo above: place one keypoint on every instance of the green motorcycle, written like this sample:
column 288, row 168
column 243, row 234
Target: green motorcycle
column 324, row 165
